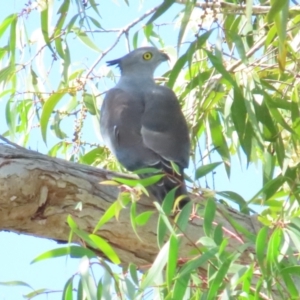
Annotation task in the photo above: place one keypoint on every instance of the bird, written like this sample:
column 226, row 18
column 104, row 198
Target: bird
column 143, row 125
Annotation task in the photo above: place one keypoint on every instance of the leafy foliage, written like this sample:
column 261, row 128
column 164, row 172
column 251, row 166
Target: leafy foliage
column 235, row 72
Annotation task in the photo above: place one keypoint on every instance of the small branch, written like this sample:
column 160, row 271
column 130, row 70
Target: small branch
column 8, row 142
column 230, row 8
column 122, row 31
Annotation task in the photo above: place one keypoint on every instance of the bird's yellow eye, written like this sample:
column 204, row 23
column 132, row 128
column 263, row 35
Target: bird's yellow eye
column 147, row 55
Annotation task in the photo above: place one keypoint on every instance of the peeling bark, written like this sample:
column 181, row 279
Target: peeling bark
column 38, row 192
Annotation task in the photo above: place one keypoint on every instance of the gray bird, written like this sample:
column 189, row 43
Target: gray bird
column 142, row 122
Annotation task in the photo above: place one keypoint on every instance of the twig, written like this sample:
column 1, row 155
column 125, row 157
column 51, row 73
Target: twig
column 122, row 31
column 7, row 141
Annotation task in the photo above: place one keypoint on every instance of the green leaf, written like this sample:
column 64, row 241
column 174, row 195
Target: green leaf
column 143, row 218
column 250, row 107
column 68, row 290
column 187, row 57
column 73, row 251
column 262, row 112
column 48, row 108
column 176, row 70
column 157, row 267
column 86, row 40
column 293, row 270
column 290, row 284
column 260, row 247
column 236, row 198
column 180, row 287
column 189, row 7
column 3, row 52
column 66, row 67
column 238, row 227
column 148, row 29
column 94, row 6
column 247, row 278
column 63, row 11
column 80, row 291
column 6, row 23
column 236, row 38
column 218, row 234
column 130, row 288
column 182, row 219
column 195, row 263
column 208, row 242
column 12, row 40
column 36, row 293
column 163, row 222
column 105, row 248
column 198, row 80
column 249, row 11
column 217, row 283
column 80, row 233
column 134, row 274
column 238, row 115
column 88, row 283
column 273, row 251
column 44, row 25
column 135, row 40
column 100, row 289
column 270, row 188
column 147, row 171
column 10, row 116
column 76, row 74
column 294, row 233
column 71, row 23
column 144, row 181
column 203, row 170
column 15, row 283
column 95, row 22
column 172, row 260
column 218, row 64
column 218, row 138
column 133, row 217
column 175, row 168
column 55, row 126
column 6, row 73
column 160, row 10
column 90, row 103
column 109, row 214
column 92, row 156
column 276, row 7
column 278, row 117
column 209, row 215
column 280, row 151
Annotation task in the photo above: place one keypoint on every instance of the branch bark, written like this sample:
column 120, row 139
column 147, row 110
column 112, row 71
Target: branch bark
column 38, row 192
column 222, row 7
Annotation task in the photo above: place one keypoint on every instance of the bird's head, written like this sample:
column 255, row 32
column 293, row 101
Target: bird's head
column 140, row 62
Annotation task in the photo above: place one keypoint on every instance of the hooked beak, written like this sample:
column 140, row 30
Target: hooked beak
column 164, row 55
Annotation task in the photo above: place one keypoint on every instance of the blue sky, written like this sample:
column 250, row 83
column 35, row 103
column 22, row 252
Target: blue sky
column 17, row 251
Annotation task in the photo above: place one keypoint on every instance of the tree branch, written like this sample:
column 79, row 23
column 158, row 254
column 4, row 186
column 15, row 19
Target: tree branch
column 121, row 32
column 233, row 9
column 38, row 192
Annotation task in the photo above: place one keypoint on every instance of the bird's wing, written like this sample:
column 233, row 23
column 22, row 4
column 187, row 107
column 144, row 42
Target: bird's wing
column 164, row 129
column 120, row 123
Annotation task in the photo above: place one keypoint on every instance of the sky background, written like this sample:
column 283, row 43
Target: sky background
column 17, row 251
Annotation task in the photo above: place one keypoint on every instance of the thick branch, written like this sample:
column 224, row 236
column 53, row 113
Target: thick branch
column 38, row 192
